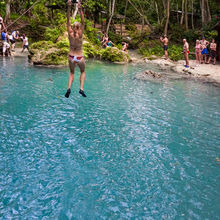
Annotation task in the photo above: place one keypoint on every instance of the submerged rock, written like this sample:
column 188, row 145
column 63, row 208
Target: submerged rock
column 150, row 75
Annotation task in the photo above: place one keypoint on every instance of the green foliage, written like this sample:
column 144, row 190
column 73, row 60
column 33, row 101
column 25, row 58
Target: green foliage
column 63, row 44
column 52, row 34
column 56, row 58
column 175, row 52
column 148, row 48
column 90, row 51
column 153, row 47
column 45, row 45
column 131, row 27
column 91, row 33
column 2, row 8
column 40, row 14
column 114, row 55
column 115, row 38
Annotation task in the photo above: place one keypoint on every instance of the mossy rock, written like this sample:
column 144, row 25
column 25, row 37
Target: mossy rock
column 113, row 54
column 42, row 45
column 55, row 58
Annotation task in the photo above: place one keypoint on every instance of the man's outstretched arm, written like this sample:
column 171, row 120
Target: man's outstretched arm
column 69, row 4
column 81, row 15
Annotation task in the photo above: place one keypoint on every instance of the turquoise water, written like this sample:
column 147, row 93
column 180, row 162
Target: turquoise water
column 130, row 150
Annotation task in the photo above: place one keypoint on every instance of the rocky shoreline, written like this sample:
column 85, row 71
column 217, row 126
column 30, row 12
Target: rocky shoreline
column 206, row 73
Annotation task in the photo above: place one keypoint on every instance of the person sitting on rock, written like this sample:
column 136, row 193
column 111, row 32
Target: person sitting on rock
column 125, row 47
column 6, row 45
column 104, row 40
column 14, row 36
column 204, row 52
column 212, row 56
column 2, row 26
column 165, row 42
column 76, row 58
column 109, row 44
column 25, row 44
column 186, row 52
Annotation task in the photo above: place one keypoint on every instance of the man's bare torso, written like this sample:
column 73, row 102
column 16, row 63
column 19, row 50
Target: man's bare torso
column 213, row 46
column 165, row 41
column 76, row 42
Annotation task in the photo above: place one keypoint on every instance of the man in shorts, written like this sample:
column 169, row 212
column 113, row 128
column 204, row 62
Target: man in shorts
column 212, row 56
column 25, row 44
column 165, row 42
column 76, row 58
column 204, row 52
column 186, row 52
column 6, row 45
column 14, row 36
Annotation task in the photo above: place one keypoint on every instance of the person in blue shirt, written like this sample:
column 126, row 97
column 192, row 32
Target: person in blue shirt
column 14, row 36
column 5, row 40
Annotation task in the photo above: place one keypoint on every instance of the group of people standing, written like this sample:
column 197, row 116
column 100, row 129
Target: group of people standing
column 201, row 50
column 9, row 39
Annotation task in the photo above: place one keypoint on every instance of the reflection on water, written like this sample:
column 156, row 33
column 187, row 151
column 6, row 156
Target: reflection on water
column 132, row 149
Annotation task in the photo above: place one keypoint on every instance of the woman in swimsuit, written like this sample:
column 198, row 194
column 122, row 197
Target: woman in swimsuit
column 76, row 58
column 198, row 49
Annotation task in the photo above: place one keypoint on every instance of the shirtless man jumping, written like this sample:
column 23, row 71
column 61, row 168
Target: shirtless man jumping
column 165, row 42
column 75, row 34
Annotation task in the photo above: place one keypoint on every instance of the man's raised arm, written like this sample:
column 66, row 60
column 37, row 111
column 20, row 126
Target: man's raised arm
column 69, row 4
column 81, row 15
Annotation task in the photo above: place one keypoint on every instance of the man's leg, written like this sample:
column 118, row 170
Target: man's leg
column 187, row 59
column 4, row 48
column 201, row 58
column 82, row 66
column 71, row 78
column 166, row 54
column 82, row 80
column 13, row 46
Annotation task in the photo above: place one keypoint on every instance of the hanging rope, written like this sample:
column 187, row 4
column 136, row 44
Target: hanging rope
column 22, row 14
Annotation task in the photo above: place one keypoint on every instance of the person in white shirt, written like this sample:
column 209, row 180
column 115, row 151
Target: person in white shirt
column 25, row 44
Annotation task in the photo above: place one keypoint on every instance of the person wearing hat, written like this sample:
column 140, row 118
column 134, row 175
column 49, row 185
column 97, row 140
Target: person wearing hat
column 204, row 52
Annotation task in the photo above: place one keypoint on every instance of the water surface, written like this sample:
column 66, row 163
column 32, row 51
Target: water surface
column 130, row 150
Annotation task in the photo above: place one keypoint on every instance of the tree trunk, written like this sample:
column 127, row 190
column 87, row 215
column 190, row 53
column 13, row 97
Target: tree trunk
column 126, row 7
column 202, row 6
column 8, row 11
column 192, row 18
column 167, row 17
column 110, row 19
column 209, row 18
column 182, row 16
column 158, row 16
column 75, row 12
column 145, row 18
column 186, row 15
